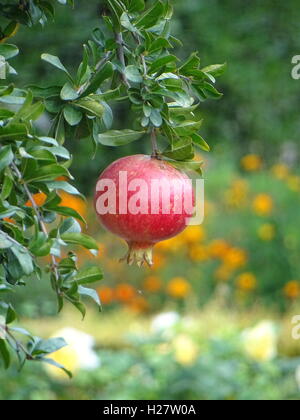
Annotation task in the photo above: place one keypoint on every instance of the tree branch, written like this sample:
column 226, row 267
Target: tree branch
column 40, row 220
column 121, row 56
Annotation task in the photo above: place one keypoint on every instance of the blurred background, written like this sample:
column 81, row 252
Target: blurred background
column 214, row 318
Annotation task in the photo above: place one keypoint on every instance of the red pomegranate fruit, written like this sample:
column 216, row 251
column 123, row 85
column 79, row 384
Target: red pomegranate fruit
column 143, row 200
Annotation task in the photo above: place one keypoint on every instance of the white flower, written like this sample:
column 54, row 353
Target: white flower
column 260, row 342
column 165, row 321
column 78, row 354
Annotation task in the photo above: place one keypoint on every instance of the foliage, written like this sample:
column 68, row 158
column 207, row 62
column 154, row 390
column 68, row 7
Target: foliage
column 175, row 361
column 128, row 59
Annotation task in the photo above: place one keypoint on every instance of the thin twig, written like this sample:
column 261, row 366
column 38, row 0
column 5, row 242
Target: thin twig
column 121, row 56
column 155, row 150
column 39, row 217
column 97, row 68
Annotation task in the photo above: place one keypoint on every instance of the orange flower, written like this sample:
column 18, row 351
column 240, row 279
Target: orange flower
column 280, row 171
column 39, row 199
column 263, row 204
column 125, row 292
column 292, row 290
column 267, row 232
column 219, row 248
column 139, row 304
column 178, row 287
column 198, row 253
column 251, row 163
column 193, row 234
column 235, row 258
column 170, row 245
column 73, row 202
column 246, row 282
column 159, row 260
column 152, row 284
column 106, row 294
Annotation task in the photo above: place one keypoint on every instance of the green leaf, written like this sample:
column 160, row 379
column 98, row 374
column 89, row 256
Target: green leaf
column 13, row 132
column 70, row 225
column 6, row 157
column 191, row 64
column 68, row 92
column 48, row 346
column 215, row 69
column 8, row 51
column 93, row 107
column 188, row 166
column 133, row 74
column 89, row 275
column 55, row 61
column 11, row 315
column 72, row 115
column 24, row 259
column 4, row 354
column 136, row 6
column 126, row 23
column 90, row 293
column 80, row 239
column 46, row 173
column 199, row 141
column 156, row 118
column 151, row 16
column 63, row 185
column 188, row 128
column 119, row 137
column 160, row 63
column 50, row 361
column 103, row 74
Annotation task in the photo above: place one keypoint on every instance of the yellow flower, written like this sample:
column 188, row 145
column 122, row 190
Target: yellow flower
column 280, row 171
column 170, row 245
column 236, row 258
column 294, row 183
column 251, row 163
column 247, row 281
column 237, row 195
column 178, row 287
column 185, row 350
column 260, row 342
column 219, row 248
column 193, row 234
column 152, row 284
column 198, row 253
column 292, row 290
column 263, row 204
column 267, row 232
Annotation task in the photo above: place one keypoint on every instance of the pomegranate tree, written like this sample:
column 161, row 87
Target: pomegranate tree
column 144, row 200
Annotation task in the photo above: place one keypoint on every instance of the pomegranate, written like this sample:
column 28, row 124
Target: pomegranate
column 143, row 200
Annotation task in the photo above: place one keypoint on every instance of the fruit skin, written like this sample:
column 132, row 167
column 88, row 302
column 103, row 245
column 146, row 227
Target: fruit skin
column 143, row 231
